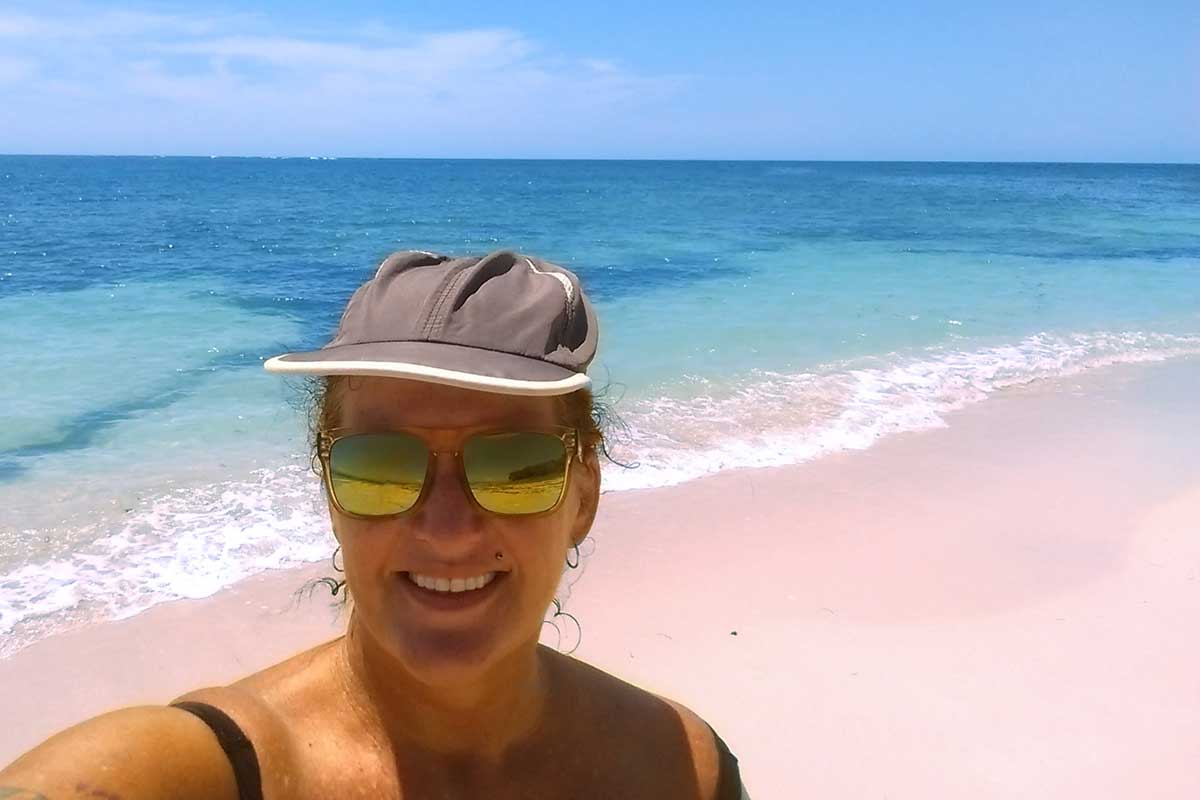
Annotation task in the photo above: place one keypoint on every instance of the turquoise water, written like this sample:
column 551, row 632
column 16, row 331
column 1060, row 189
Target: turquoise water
column 752, row 314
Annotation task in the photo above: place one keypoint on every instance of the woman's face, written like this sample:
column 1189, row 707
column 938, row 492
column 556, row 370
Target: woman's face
column 447, row 638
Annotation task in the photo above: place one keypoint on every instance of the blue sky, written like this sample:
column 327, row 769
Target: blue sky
column 773, row 80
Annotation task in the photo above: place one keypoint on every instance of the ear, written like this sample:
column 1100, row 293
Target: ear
column 587, row 482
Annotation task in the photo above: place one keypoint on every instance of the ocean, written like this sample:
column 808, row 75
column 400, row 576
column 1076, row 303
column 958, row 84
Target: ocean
column 752, row 314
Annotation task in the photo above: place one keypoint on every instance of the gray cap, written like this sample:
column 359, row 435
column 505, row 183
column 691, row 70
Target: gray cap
column 505, row 323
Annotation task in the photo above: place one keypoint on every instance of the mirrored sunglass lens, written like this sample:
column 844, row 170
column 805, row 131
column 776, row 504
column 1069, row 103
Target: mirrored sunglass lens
column 516, row 473
column 376, row 474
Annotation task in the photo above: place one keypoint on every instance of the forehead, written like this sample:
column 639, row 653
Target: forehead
column 373, row 402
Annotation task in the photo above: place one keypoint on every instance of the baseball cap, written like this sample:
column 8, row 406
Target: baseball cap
column 505, row 322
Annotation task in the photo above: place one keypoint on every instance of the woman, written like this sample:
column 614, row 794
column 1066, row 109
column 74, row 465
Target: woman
column 456, row 439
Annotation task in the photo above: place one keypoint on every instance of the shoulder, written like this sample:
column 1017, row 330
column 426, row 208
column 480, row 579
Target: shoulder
column 262, row 729
column 278, row 710
column 165, row 751
column 706, row 756
column 668, row 726
column 142, row 752
column 279, row 699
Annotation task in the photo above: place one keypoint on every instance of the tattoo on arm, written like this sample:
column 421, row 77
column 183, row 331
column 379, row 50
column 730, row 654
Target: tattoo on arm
column 81, row 790
column 16, row 793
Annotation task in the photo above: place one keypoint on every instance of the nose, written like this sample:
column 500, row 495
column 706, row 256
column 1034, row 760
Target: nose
column 447, row 519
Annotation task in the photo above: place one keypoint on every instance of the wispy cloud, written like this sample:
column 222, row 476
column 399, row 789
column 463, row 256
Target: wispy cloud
column 106, row 25
column 187, row 81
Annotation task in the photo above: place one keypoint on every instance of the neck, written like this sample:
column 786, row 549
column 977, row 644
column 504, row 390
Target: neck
column 485, row 717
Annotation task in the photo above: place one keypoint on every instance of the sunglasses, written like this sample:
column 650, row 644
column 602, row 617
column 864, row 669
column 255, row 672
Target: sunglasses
column 506, row 472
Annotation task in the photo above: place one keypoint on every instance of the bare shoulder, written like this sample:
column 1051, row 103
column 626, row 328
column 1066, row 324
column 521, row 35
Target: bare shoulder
column 263, row 699
column 277, row 709
column 164, row 751
column 134, row 753
column 705, row 757
column 666, row 725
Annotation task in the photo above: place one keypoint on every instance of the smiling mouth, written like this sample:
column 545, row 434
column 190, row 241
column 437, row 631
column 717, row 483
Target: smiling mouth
column 451, row 585
column 451, row 594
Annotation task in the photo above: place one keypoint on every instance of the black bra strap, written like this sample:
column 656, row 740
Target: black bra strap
column 729, row 781
column 237, row 747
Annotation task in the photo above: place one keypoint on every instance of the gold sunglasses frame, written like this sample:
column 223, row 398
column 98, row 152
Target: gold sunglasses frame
column 571, row 440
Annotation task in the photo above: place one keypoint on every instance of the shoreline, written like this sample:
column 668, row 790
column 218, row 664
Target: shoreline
column 129, row 549
column 973, row 609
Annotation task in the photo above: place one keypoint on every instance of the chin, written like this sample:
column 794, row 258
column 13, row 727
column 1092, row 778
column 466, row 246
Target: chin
column 439, row 644
column 446, row 658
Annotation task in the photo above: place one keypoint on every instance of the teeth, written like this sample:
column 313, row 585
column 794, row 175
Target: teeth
column 454, row 585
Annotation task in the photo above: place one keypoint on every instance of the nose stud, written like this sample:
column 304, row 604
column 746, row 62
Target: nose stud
column 499, row 556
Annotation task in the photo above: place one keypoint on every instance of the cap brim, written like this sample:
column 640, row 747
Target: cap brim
column 436, row 362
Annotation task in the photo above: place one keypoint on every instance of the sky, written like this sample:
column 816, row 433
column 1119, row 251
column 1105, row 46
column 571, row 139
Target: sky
column 956, row 81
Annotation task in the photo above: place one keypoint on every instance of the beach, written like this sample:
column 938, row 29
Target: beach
column 753, row 314
column 1002, row 607
column 890, row 318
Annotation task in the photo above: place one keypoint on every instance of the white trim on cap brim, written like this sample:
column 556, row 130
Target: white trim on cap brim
column 446, row 377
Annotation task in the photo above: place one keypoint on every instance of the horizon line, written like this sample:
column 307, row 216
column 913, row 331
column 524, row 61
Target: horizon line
column 1046, row 162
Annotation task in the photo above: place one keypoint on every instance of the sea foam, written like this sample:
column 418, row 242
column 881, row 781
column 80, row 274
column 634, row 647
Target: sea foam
column 775, row 419
column 188, row 543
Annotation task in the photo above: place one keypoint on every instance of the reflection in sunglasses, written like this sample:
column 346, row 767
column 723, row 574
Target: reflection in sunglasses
column 384, row 474
column 375, row 498
column 519, row 497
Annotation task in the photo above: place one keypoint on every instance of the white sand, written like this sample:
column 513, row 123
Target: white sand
column 1005, row 608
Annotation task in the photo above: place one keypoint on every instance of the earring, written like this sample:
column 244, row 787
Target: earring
column 576, row 564
column 553, row 623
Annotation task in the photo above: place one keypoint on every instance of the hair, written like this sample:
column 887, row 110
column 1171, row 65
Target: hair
column 323, row 398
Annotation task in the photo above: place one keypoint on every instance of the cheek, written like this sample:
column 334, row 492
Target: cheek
column 363, row 555
column 539, row 549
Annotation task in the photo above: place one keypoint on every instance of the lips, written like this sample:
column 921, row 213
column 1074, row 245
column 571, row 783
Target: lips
column 449, row 601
